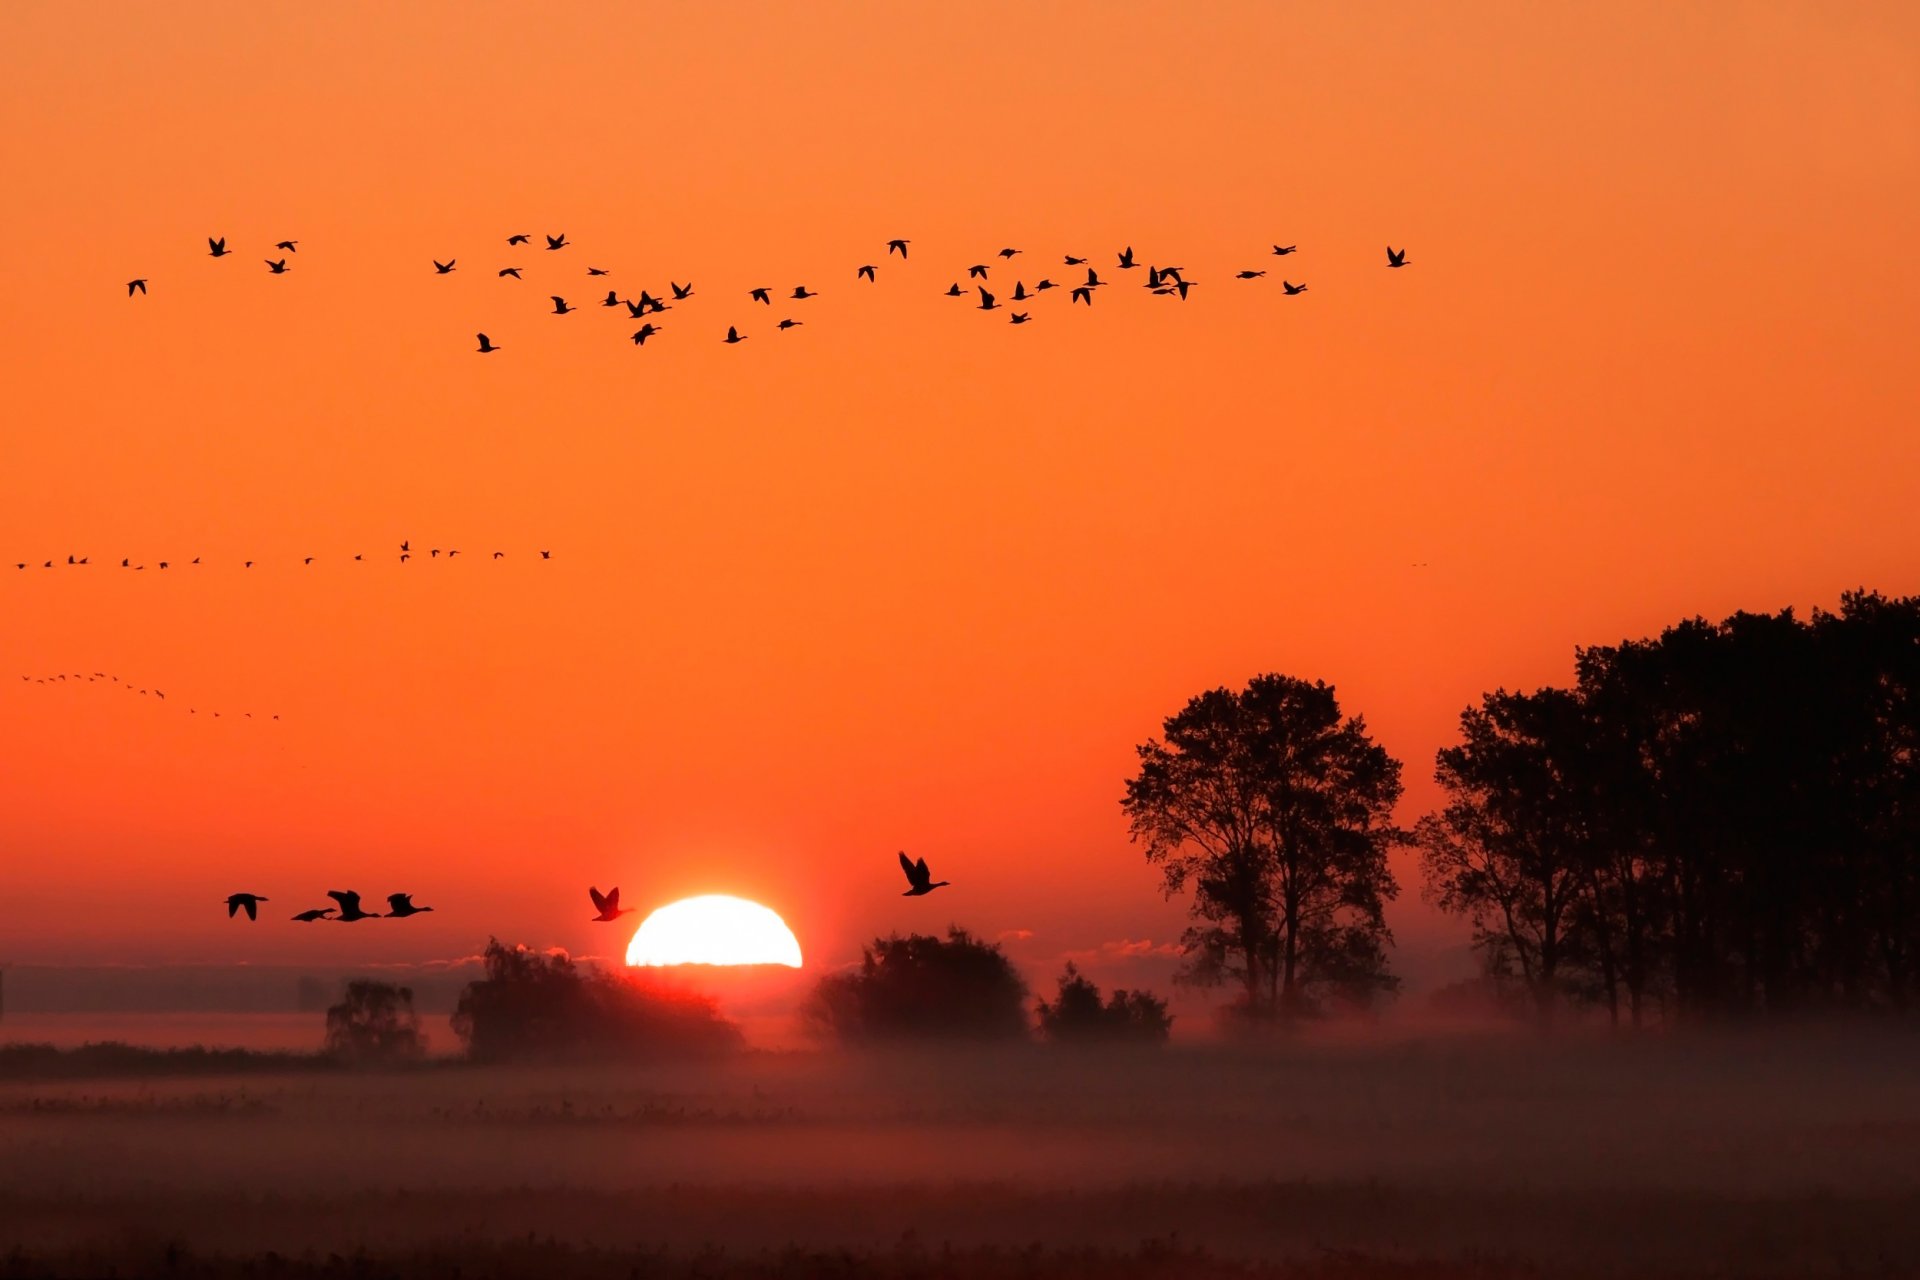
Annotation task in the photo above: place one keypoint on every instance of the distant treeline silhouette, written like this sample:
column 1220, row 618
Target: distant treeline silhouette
column 1721, row 821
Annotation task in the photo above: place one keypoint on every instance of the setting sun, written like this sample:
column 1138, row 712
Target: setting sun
column 714, row 929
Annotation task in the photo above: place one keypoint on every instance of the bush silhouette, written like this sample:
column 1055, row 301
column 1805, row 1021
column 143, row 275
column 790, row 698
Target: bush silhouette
column 374, row 1024
column 541, row 1005
column 1077, row 1015
column 922, row 986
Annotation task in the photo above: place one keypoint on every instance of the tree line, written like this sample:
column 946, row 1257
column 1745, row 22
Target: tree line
column 1720, row 821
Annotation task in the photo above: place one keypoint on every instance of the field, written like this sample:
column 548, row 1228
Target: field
column 1463, row 1156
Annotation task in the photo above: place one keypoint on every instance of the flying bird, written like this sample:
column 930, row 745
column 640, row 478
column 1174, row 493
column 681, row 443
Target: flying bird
column 1396, row 259
column 977, row 272
column 546, row 555
column 1045, row 285
column 140, row 284
column 760, row 295
column 734, row 335
column 1021, row 317
column 596, row 271
column 955, row 291
column 560, row 306
column 802, row 293
column 510, row 271
column 1126, row 259
column 681, row 292
column 443, row 268
column 1248, row 275
column 868, row 272
column 486, row 345
column 247, row 902
column 788, row 324
column 1008, row 253
column 641, row 334
column 316, row 913
column 986, row 301
column 557, row 242
column 518, row 239
column 400, row 905
column 350, row 906
column 919, row 877
column 1075, row 262
column 217, row 248
column 1081, row 293
column 611, row 300
column 1019, row 291
column 1292, row 288
column 897, row 246
column 278, row 268
column 608, row 905
column 291, row 246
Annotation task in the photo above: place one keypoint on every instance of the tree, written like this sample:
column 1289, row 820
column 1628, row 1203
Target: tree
column 921, row 986
column 374, row 1023
column 1276, row 810
column 535, row 1005
column 1077, row 1015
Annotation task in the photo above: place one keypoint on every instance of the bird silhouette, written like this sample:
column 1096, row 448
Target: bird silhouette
column 247, row 902
column 611, row 300
column 1075, row 262
column 635, row 310
column 278, row 268
column 650, row 303
column 1292, row 288
column 1282, row 250
column 608, row 905
column 868, row 272
column 510, row 271
column 1126, row 259
column 140, row 284
column 443, row 268
column 681, row 292
column 1396, row 259
column 400, row 906
column 560, row 306
column 1008, row 253
column 641, row 334
column 1093, row 278
column 1045, row 285
column 760, row 295
column 1021, row 317
column 596, row 271
column 350, row 906
column 546, row 555
column 518, row 239
column 557, row 242
column 1081, row 293
column 316, row 913
column 919, row 877
column 498, row 554
column 955, row 291
column 897, row 246
column 291, row 246
column 486, row 345
column 986, row 301
column 217, row 248
column 788, row 324
column 978, row 271
column 734, row 335
column 802, row 293
column 1248, row 275
column 1019, row 291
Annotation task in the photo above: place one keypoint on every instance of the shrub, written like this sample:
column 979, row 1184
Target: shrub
column 923, row 986
column 1077, row 1015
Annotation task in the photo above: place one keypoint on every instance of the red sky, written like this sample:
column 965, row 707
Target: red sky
column 907, row 576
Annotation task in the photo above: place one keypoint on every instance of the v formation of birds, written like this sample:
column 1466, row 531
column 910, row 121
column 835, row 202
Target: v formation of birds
column 1160, row 281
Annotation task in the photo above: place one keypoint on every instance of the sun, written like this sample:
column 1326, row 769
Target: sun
column 714, row 928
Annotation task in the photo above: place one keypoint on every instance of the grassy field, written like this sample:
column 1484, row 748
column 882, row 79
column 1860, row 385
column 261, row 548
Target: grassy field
column 1696, row 1156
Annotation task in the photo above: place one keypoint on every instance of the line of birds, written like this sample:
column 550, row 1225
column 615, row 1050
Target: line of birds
column 77, row 678
column 1160, row 281
column 405, row 554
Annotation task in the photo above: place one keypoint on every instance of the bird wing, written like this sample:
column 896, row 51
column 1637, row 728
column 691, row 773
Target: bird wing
column 349, row 901
column 253, row 907
column 914, row 871
column 399, row 901
column 601, row 901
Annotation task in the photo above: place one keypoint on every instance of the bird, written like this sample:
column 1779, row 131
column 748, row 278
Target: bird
column 217, row 248
column 546, row 555
column 291, row 246
column 510, row 271
column 247, row 902
column 1019, row 291
column 1248, row 275
column 1184, row 285
column 303, row 560
column 955, row 291
column 1008, row 253
column 1081, row 293
column 641, row 334
column 350, row 906
column 1045, row 285
column 1075, row 262
column 802, row 293
column 1282, row 250
column 977, row 272
column 649, row 303
column 1292, row 288
column 316, row 913
column 278, row 268
column 1394, row 259
column 498, row 554
column 760, row 295
column 734, row 335
column 1126, row 259
column 400, row 905
column 611, row 300
column 557, row 242
column 635, row 310
column 986, row 301
column 596, row 271
column 681, row 292
column 788, row 324
column 486, row 345
column 560, row 306
column 1093, row 278
column 518, row 239
column 898, row 246
column 608, row 905
column 868, row 272
column 919, row 877
column 140, row 284
column 1021, row 317
column 443, row 268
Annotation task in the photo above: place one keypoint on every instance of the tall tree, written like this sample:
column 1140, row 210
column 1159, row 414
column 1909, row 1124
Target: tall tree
column 1276, row 810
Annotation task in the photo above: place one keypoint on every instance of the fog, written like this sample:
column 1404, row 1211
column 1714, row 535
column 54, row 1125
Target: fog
column 1785, row 1153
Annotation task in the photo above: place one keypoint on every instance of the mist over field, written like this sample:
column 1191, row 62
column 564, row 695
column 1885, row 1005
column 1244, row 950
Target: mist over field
column 1473, row 1154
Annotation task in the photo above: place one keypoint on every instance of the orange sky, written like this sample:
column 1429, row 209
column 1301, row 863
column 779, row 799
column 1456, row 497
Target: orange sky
column 905, row 577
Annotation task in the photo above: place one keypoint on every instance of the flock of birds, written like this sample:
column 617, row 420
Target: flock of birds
column 103, row 679
column 1167, row 281
column 606, row 906
column 405, row 553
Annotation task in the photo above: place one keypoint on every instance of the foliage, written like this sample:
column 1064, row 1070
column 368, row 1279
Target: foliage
column 1077, row 1016
column 536, row 1005
column 25, row 1061
column 923, row 986
column 1277, row 812
column 1725, row 819
column 374, row 1024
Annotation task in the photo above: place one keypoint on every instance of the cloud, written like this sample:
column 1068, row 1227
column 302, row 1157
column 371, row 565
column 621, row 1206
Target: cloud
column 1013, row 935
column 1124, row 949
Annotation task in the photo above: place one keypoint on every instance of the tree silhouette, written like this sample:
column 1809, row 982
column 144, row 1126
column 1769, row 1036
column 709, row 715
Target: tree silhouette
column 1276, row 810
column 1077, row 1015
column 375, row 1024
column 921, row 986
column 534, row 1005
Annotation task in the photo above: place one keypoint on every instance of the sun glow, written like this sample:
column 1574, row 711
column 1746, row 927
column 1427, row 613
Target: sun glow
column 714, row 929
